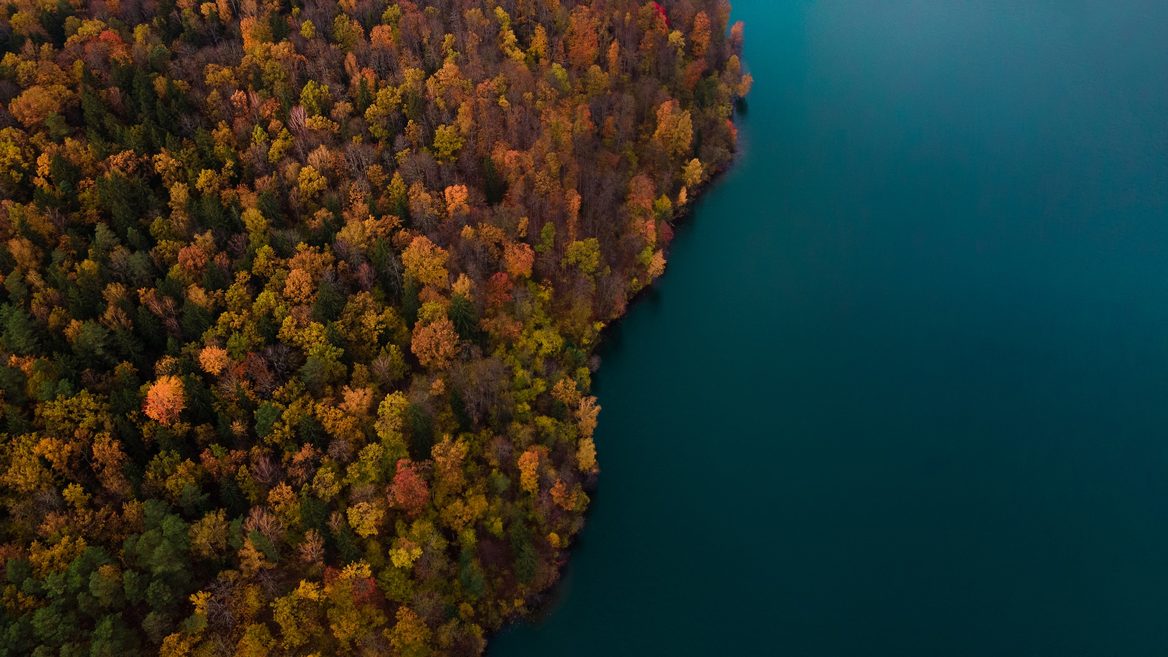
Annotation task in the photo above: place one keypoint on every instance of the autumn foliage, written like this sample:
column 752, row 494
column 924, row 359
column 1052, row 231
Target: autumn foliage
column 409, row 490
column 164, row 400
column 435, row 343
column 298, row 305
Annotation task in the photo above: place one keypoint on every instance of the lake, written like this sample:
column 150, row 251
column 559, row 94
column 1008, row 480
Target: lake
column 903, row 390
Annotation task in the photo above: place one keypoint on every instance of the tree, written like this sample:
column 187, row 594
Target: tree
column 691, row 174
column 447, row 143
column 365, row 517
column 582, row 38
column 255, row 642
column 529, row 470
column 425, row 262
column 165, row 400
column 586, row 456
column 213, row 360
column 410, row 635
column 674, row 128
column 435, row 343
column 36, row 104
column 518, row 258
column 699, row 37
column 585, row 255
column 409, row 490
column 311, row 182
column 456, row 200
column 15, row 159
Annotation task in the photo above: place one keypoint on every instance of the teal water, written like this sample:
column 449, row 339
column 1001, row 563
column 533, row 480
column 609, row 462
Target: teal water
column 903, row 390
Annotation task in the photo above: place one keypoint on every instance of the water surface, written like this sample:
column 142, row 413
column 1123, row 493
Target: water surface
column 903, row 390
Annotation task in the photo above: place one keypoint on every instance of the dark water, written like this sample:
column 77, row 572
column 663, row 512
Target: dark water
column 904, row 388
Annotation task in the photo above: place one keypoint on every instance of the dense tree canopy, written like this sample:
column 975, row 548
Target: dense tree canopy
column 299, row 303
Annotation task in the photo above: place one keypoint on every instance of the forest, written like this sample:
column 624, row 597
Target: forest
column 300, row 303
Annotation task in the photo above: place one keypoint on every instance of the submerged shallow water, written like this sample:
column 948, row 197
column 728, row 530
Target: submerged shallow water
column 904, row 388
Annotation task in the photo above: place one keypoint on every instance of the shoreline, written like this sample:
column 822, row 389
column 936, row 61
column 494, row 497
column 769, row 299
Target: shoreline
column 545, row 603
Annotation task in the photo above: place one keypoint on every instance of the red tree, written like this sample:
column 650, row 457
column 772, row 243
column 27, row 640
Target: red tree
column 409, row 490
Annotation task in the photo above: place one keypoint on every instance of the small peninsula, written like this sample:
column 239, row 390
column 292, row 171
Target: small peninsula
column 300, row 301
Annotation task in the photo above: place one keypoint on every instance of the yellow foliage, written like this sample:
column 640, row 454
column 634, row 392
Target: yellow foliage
column 364, row 518
column 529, row 470
column 325, row 484
column 447, row 143
column 200, row 599
column 308, row 591
column 310, row 181
column 426, row 262
column 390, row 415
column 46, row 559
column 586, row 415
column 586, row 456
column 674, row 128
column 410, row 633
column 357, row 570
column 692, row 172
column 176, row 645
column 256, row 641
column 251, row 560
column 25, row 473
column 404, row 553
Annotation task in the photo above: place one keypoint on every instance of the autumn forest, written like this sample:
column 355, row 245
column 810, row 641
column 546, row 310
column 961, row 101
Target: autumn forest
column 300, row 302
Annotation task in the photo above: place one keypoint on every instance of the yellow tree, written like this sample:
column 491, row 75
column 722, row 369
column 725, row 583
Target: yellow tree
column 426, row 262
column 529, row 470
column 674, row 128
column 447, row 143
column 410, row 634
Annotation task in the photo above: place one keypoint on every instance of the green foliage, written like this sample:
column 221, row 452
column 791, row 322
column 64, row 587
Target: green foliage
column 18, row 331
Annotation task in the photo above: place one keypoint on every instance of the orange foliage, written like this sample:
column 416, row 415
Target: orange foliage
column 582, row 39
column 700, row 36
column 518, row 257
column 498, row 289
column 213, row 359
column 298, row 287
column 165, row 400
column 37, row 103
column 529, row 470
column 456, row 200
column 435, row 344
